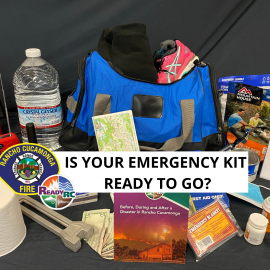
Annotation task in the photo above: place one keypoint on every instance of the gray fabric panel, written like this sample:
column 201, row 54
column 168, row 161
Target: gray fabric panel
column 188, row 117
column 71, row 104
column 102, row 104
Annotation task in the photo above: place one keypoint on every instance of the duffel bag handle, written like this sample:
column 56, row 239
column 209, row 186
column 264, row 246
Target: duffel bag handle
column 103, row 106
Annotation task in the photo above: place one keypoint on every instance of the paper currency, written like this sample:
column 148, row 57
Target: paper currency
column 102, row 240
column 112, row 196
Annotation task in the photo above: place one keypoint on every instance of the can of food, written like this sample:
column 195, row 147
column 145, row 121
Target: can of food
column 253, row 163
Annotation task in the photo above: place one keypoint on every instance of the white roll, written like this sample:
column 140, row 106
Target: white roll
column 12, row 227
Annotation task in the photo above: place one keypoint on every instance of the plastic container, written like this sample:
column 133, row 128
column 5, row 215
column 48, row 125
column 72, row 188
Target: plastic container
column 266, row 212
column 256, row 228
column 37, row 95
column 253, row 163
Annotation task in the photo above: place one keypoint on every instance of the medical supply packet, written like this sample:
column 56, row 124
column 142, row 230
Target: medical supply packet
column 254, row 195
column 211, row 227
column 202, row 199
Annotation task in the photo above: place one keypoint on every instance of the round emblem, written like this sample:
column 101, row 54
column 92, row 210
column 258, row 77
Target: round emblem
column 154, row 195
column 27, row 168
column 56, row 192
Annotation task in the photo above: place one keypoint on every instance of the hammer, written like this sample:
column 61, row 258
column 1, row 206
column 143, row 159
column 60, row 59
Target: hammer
column 71, row 235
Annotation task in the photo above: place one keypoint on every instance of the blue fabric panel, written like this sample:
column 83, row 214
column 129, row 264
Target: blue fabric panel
column 209, row 120
column 101, row 78
column 106, row 81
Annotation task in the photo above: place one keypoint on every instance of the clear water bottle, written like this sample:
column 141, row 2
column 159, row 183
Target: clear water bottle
column 36, row 88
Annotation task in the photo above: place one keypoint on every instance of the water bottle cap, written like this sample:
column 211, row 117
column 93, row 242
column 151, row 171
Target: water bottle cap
column 33, row 52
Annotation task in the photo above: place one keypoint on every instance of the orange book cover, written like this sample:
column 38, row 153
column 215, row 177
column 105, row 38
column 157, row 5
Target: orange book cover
column 150, row 227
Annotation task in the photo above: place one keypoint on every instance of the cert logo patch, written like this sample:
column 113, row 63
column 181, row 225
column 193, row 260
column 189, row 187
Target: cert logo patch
column 23, row 167
column 56, row 192
column 28, row 168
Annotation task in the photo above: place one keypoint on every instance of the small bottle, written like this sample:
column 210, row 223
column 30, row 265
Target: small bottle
column 256, row 228
column 266, row 212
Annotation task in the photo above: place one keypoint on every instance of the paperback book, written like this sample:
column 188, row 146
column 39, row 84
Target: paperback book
column 151, row 227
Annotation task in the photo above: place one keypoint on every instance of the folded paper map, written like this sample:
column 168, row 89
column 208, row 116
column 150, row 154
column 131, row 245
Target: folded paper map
column 116, row 132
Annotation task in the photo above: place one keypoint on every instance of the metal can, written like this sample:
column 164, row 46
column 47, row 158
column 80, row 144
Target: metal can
column 253, row 163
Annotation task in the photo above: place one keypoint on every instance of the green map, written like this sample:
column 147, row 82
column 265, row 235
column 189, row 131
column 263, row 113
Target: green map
column 116, row 132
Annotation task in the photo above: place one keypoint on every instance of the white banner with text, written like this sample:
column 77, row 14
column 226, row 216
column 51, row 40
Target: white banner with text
column 155, row 171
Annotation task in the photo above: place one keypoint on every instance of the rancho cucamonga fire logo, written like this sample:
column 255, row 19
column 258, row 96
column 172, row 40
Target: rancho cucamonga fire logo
column 27, row 168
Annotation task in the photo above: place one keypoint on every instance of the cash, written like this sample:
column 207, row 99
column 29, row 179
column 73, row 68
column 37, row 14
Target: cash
column 112, row 197
column 102, row 241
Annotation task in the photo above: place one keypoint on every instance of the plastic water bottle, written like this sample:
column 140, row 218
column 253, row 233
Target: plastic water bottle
column 36, row 88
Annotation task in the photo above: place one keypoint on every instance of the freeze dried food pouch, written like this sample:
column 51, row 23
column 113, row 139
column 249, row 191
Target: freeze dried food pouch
column 211, row 227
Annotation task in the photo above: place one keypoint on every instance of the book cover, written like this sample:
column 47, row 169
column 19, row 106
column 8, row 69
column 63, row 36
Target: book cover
column 116, row 132
column 248, row 106
column 151, row 227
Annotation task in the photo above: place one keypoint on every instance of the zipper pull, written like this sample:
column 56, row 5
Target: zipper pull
column 219, row 135
column 73, row 123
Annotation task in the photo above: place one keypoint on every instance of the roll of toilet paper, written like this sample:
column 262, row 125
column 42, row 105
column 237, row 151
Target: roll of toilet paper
column 12, row 227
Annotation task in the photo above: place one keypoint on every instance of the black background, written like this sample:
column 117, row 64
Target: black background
column 233, row 35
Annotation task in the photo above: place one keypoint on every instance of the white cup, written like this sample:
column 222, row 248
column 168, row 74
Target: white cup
column 12, row 227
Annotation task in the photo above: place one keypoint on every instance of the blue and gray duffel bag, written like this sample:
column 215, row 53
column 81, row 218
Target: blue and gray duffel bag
column 184, row 115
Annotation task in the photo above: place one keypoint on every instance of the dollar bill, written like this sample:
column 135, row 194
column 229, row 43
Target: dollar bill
column 108, row 248
column 109, row 231
column 99, row 220
column 109, row 257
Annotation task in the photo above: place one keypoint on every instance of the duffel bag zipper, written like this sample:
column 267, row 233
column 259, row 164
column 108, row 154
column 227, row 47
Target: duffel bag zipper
column 197, row 64
column 81, row 72
column 215, row 93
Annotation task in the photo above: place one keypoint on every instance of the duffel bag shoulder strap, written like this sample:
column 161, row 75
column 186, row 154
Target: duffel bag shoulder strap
column 73, row 105
column 103, row 106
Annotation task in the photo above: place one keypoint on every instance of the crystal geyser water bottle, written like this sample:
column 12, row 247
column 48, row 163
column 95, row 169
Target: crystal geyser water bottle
column 36, row 88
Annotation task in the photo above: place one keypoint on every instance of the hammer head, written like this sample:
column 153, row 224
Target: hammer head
column 74, row 232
